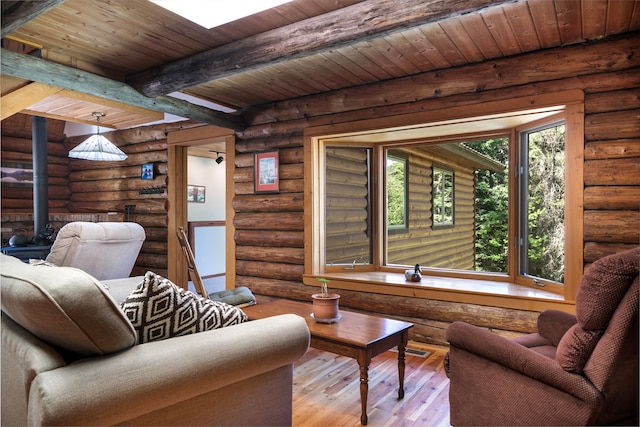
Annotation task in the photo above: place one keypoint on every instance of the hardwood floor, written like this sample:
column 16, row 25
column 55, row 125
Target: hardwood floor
column 326, row 390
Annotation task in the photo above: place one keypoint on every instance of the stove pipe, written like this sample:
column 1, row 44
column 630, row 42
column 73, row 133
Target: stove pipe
column 39, row 142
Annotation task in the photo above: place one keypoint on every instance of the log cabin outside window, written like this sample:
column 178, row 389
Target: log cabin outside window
column 348, row 204
column 450, row 178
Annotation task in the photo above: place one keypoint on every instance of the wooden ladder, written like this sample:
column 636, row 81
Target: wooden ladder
column 191, row 262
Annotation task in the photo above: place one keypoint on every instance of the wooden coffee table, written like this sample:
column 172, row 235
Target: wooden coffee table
column 355, row 335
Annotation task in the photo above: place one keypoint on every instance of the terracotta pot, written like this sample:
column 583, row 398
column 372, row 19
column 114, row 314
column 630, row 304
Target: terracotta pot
column 325, row 307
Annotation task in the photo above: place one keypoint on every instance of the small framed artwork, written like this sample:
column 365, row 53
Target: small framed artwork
column 266, row 172
column 147, row 171
column 195, row 193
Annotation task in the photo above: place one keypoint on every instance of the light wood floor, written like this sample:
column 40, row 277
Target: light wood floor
column 326, row 390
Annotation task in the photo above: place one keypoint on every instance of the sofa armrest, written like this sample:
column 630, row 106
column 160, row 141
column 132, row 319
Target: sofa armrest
column 553, row 324
column 515, row 357
column 111, row 389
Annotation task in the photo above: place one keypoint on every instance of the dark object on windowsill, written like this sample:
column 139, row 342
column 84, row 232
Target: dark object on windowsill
column 413, row 276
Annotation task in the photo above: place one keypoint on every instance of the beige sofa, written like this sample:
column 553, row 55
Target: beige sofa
column 68, row 358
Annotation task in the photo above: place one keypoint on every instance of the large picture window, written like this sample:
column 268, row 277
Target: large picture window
column 479, row 204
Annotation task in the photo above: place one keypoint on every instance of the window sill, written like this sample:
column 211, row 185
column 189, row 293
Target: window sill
column 481, row 292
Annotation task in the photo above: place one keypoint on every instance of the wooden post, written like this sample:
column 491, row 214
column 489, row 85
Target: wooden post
column 177, row 214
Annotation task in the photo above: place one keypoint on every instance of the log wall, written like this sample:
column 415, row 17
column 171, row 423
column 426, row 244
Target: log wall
column 269, row 255
column 81, row 190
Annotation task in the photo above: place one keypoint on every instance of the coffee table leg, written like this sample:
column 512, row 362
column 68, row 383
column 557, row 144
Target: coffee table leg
column 364, row 391
column 401, row 362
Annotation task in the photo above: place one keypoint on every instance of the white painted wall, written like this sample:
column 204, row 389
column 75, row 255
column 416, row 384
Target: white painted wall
column 209, row 242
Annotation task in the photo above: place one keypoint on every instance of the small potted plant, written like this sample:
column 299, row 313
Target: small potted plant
column 325, row 305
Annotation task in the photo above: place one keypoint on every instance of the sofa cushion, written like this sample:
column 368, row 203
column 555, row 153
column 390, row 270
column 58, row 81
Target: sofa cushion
column 65, row 307
column 158, row 309
column 240, row 296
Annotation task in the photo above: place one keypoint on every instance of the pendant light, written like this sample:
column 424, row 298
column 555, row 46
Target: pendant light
column 97, row 147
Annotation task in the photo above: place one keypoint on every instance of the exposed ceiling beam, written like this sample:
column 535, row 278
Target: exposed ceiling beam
column 343, row 27
column 20, row 99
column 17, row 13
column 39, row 70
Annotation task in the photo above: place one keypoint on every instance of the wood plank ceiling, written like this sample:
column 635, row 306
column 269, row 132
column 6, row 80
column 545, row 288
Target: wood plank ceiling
column 301, row 48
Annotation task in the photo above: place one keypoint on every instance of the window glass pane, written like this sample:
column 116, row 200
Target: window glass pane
column 408, row 245
column 545, row 169
column 443, row 197
column 492, row 206
column 396, row 180
column 348, row 219
column 441, row 222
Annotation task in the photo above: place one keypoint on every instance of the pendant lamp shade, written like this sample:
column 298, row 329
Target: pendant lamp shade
column 97, row 148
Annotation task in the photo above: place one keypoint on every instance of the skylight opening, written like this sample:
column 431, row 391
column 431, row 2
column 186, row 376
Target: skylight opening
column 213, row 13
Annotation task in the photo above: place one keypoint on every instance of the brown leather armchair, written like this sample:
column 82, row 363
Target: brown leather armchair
column 576, row 370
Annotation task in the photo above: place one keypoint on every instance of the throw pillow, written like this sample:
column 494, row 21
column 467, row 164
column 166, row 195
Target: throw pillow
column 63, row 306
column 240, row 296
column 575, row 348
column 158, row 309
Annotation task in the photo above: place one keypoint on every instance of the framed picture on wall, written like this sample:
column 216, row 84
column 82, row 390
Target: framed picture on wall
column 196, row 193
column 266, row 178
column 147, row 171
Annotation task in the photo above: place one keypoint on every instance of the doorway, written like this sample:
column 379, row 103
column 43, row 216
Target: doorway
column 198, row 142
column 206, row 213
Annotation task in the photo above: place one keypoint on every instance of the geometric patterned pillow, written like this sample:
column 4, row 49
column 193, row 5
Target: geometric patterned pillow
column 158, row 309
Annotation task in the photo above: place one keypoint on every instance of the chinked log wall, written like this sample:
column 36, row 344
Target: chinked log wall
column 269, row 228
